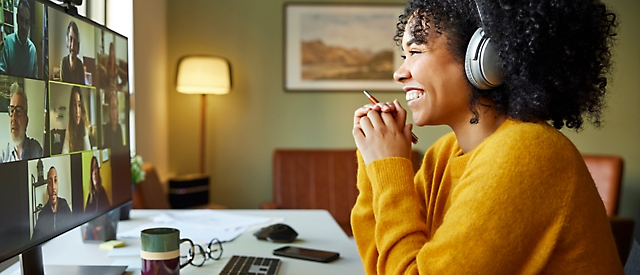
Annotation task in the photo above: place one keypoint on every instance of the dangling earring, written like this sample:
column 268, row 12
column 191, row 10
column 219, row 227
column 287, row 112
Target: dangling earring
column 474, row 119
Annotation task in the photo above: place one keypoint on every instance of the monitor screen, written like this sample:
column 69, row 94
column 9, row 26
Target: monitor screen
column 64, row 123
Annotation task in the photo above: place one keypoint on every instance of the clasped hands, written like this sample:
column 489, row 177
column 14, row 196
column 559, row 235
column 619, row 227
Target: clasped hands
column 380, row 131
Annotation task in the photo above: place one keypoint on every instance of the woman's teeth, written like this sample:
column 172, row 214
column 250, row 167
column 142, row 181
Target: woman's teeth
column 413, row 95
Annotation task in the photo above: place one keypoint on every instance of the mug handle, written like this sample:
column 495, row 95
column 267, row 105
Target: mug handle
column 192, row 253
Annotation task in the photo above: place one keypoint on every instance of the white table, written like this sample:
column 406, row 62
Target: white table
column 316, row 229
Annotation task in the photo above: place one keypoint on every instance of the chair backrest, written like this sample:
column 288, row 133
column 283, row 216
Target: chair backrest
column 607, row 171
column 632, row 266
column 149, row 193
column 319, row 179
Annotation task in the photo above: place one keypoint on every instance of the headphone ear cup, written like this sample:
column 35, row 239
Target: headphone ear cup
column 481, row 63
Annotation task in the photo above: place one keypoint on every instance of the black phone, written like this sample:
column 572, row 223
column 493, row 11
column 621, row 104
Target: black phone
column 307, row 254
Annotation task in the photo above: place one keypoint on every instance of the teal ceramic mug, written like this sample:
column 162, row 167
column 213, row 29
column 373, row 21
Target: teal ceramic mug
column 160, row 251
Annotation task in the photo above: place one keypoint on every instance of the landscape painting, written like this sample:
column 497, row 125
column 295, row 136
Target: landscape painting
column 341, row 47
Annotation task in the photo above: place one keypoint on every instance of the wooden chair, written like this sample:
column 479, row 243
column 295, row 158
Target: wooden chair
column 607, row 171
column 318, row 179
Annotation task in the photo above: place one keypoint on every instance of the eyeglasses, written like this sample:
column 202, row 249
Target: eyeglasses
column 17, row 111
column 197, row 255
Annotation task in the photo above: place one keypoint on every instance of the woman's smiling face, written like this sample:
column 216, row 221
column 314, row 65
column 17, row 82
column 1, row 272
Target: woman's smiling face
column 435, row 84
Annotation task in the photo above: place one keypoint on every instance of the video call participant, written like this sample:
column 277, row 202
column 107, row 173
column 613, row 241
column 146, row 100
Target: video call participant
column 18, row 53
column 112, row 132
column 98, row 198
column 21, row 147
column 56, row 213
column 112, row 68
column 505, row 192
column 76, row 136
column 101, row 227
column 71, row 67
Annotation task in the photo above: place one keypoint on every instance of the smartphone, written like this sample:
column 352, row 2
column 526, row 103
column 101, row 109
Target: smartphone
column 306, row 254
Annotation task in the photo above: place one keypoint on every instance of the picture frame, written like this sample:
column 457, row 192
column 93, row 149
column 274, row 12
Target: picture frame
column 341, row 47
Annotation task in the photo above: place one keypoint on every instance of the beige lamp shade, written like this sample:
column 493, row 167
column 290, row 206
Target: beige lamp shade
column 203, row 75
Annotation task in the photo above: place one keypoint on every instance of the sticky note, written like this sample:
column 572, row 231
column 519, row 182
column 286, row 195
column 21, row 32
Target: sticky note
column 108, row 245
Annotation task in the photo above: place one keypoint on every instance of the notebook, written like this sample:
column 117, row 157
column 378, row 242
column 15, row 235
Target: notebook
column 244, row 265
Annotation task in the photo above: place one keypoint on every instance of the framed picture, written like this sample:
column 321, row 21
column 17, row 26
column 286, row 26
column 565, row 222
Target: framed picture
column 341, row 47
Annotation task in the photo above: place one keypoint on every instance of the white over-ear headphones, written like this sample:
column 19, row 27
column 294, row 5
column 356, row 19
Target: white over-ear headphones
column 482, row 64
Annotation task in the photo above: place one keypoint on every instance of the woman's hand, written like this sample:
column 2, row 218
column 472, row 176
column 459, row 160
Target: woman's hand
column 380, row 131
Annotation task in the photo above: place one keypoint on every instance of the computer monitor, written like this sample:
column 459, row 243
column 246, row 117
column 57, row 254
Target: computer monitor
column 64, row 123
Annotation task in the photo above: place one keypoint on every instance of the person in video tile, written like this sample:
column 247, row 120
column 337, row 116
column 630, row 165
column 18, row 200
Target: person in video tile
column 56, row 213
column 20, row 147
column 97, row 195
column 76, row 137
column 72, row 69
column 112, row 131
column 19, row 53
column 112, row 68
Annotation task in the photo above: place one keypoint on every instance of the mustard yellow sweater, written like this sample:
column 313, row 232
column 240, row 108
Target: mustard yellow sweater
column 522, row 202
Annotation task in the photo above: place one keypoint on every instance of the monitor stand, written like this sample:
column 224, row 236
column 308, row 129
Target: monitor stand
column 31, row 264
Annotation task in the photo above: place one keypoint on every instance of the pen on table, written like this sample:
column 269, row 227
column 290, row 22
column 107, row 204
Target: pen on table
column 373, row 100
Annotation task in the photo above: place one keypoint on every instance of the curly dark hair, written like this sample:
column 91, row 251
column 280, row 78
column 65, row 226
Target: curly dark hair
column 555, row 53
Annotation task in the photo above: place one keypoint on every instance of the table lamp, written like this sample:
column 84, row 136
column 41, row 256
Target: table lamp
column 201, row 74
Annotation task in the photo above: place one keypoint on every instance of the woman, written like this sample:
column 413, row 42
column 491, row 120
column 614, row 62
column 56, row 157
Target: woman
column 97, row 198
column 112, row 69
column 76, row 137
column 505, row 192
column 112, row 132
column 71, row 67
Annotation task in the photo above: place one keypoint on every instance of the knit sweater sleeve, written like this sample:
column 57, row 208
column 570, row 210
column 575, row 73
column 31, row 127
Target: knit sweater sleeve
column 364, row 220
column 395, row 202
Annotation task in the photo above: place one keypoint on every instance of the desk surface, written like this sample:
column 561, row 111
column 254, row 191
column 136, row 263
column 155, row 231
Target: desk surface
column 316, row 229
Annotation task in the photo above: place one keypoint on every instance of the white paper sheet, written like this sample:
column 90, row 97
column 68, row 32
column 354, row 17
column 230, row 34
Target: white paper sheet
column 202, row 225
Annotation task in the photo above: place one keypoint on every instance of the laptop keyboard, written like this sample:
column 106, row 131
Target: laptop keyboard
column 245, row 265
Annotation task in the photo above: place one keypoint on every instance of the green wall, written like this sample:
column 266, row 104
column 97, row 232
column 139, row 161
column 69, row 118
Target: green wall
column 258, row 116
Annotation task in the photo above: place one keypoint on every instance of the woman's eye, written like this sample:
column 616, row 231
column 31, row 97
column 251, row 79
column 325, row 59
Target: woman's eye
column 411, row 53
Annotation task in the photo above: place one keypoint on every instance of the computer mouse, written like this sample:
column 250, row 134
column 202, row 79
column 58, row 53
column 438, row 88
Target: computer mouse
column 277, row 233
